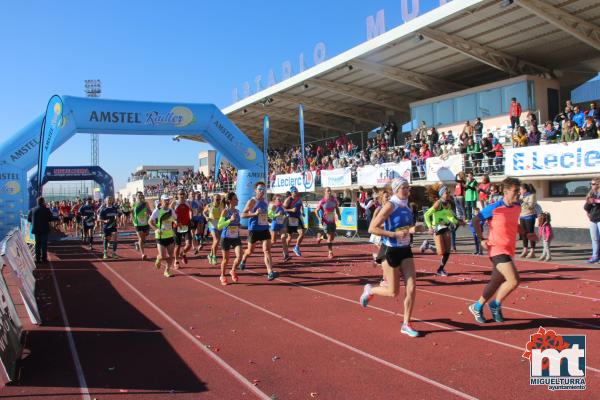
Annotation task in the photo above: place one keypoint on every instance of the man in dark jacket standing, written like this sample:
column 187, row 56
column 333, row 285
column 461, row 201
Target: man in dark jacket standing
column 40, row 218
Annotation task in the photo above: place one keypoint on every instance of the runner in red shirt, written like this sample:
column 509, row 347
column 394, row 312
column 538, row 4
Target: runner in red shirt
column 503, row 217
column 183, row 232
column 65, row 215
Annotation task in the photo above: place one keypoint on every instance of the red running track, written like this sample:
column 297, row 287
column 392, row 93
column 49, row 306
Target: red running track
column 138, row 335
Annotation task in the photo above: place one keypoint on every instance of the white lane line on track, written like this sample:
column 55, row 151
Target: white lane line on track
column 441, row 326
column 83, row 387
column 335, row 341
column 521, row 286
column 449, row 328
column 238, row 376
column 489, row 268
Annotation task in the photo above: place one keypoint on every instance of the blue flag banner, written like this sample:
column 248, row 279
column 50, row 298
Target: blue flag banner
column 217, row 165
column 266, row 146
column 301, row 121
column 48, row 133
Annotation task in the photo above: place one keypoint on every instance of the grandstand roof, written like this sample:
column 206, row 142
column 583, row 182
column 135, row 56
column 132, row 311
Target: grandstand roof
column 462, row 44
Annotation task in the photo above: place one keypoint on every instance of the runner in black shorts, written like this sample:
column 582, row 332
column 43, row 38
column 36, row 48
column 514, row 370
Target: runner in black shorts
column 394, row 223
column 141, row 215
column 88, row 221
column 293, row 206
column 258, row 228
column 108, row 215
column 162, row 221
column 327, row 210
column 229, row 224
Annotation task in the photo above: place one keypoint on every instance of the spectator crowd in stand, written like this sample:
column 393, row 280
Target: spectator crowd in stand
column 482, row 150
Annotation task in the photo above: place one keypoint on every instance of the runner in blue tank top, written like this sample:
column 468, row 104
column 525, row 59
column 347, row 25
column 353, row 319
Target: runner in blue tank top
column 278, row 218
column 229, row 224
column 293, row 206
column 256, row 211
column 394, row 223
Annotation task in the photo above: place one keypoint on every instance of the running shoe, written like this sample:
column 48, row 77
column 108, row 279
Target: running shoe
column 408, row 330
column 286, row 257
column 242, row 265
column 297, row 251
column 330, row 256
column 196, row 251
column 157, row 263
column 478, row 314
column 184, row 259
column 223, row 280
column 234, row 276
column 319, row 240
column 91, row 247
column 593, row 260
column 496, row 311
column 176, row 264
column 167, row 274
column 137, row 246
column 441, row 272
column 366, row 295
column 105, row 256
column 144, row 257
column 115, row 256
column 272, row 275
column 424, row 246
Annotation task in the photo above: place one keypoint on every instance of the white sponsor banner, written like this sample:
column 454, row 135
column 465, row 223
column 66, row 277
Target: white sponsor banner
column 18, row 256
column 443, row 169
column 554, row 159
column 383, row 174
column 336, row 177
column 304, row 182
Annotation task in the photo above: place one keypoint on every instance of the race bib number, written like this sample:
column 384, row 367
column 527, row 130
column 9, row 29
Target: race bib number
column 405, row 241
column 330, row 215
column 89, row 223
column 293, row 221
column 262, row 219
column 280, row 220
column 182, row 228
column 233, row 232
column 142, row 221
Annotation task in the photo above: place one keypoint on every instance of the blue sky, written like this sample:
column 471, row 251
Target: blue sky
column 179, row 51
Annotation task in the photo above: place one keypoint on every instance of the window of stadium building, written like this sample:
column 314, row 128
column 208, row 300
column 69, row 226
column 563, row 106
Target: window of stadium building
column 574, row 188
column 485, row 103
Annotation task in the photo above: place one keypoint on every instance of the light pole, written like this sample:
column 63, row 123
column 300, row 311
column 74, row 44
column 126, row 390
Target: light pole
column 93, row 88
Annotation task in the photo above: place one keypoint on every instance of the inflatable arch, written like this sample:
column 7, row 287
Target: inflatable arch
column 19, row 153
column 84, row 173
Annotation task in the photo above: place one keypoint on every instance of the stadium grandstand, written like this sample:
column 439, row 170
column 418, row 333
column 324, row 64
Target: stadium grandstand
column 464, row 60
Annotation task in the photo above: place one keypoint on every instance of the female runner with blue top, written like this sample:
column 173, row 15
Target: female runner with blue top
column 394, row 223
column 277, row 216
column 256, row 211
column 229, row 224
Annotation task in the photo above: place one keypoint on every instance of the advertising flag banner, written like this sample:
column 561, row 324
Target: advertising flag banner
column 48, row 133
column 266, row 126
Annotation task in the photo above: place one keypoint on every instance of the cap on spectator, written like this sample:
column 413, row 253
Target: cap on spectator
column 398, row 183
column 293, row 189
column 165, row 197
column 443, row 190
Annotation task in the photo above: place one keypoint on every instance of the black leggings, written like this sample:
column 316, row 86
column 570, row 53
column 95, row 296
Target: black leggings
column 528, row 225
